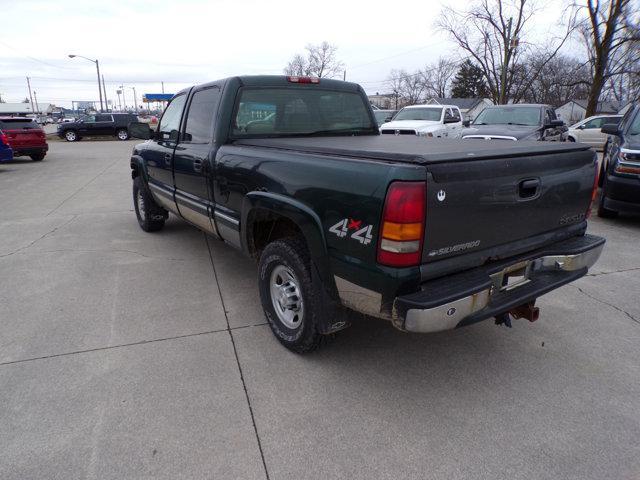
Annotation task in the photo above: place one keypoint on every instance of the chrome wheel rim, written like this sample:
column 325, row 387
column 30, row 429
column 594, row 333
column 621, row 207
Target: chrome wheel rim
column 71, row 136
column 140, row 202
column 122, row 135
column 285, row 297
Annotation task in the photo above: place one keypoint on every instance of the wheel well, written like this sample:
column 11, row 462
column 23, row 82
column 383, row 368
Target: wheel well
column 135, row 172
column 265, row 227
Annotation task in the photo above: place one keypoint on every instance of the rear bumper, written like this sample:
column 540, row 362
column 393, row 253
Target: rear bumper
column 481, row 293
column 18, row 151
column 622, row 194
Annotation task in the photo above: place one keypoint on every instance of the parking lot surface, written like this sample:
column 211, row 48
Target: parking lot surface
column 128, row 355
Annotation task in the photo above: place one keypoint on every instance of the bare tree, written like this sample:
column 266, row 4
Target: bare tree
column 298, row 65
column 611, row 35
column 408, row 88
column 560, row 80
column 320, row 61
column 493, row 33
column 437, row 77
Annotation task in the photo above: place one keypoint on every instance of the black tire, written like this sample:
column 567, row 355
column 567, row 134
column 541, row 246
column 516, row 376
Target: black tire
column 291, row 254
column 38, row 157
column 571, row 139
column 71, row 136
column 122, row 134
column 604, row 212
column 152, row 216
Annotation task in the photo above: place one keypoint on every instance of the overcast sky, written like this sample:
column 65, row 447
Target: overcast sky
column 141, row 43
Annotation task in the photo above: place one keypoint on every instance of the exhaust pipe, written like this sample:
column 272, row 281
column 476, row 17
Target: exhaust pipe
column 526, row 310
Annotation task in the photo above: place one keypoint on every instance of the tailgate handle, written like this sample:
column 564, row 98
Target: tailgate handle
column 529, row 188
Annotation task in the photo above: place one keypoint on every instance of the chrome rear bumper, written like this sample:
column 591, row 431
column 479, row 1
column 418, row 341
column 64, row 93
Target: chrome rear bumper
column 485, row 293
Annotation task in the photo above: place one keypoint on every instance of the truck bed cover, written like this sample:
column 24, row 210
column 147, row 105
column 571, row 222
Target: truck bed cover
column 412, row 149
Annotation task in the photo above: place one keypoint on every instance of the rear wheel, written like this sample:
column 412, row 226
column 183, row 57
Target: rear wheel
column 71, row 136
column 37, row 157
column 122, row 134
column 150, row 215
column 290, row 298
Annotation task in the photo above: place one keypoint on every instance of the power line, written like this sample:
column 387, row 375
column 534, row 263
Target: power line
column 32, row 58
column 406, row 52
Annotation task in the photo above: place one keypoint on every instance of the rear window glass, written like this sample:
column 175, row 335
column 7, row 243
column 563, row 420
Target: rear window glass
column 293, row 111
column 17, row 123
column 529, row 116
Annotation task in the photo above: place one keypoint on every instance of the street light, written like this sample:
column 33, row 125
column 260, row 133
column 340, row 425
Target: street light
column 124, row 100
column 98, row 70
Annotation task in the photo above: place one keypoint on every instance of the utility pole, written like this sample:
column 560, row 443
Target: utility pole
column 505, row 64
column 124, row 100
column 37, row 106
column 104, row 87
column 30, row 96
column 135, row 98
column 98, row 71
column 162, row 86
column 344, row 76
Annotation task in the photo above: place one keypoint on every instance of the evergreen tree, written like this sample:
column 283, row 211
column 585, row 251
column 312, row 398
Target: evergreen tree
column 469, row 82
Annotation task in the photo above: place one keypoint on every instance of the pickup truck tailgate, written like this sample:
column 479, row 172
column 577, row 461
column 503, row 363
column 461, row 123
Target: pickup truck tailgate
column 479, row 204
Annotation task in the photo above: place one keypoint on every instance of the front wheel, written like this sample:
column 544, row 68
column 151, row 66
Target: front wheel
column 603, row 211
column 70, row 136
column 290, row 298
column 122, row 134
column 150, row 215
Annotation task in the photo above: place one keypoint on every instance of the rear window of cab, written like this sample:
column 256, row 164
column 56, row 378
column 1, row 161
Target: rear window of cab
column 298, row 111
column 17, row 124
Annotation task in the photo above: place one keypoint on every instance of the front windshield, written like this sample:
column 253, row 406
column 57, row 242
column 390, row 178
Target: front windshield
column 634, row 128
column 276, row 112
column 509, row 116
column 432, row 114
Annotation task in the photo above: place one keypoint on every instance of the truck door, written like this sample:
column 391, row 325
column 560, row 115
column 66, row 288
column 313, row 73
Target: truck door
column 159, row 153
column 193, row 158
column 455, row 128
column 103, row 125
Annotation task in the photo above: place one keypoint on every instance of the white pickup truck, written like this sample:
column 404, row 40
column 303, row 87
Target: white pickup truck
column 436, row 121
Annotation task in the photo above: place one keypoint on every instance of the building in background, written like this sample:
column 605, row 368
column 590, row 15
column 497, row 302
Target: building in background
column 575, row 110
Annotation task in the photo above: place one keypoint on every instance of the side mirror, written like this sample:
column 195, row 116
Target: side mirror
column 581, row 127
column 554, row 124
column 140, row 130
column 466, row 123
column 610, row 129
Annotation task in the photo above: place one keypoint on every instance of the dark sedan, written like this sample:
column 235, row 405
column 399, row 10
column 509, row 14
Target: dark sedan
column 517, row 122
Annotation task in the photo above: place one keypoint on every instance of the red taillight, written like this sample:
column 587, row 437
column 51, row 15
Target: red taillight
column 402, row 229
column 4, row 139
column 295, row 79
column 594, row 191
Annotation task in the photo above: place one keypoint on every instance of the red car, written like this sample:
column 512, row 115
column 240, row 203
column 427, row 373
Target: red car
column 25, row 137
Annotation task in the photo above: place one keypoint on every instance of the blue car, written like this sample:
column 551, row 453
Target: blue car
column 6, row 152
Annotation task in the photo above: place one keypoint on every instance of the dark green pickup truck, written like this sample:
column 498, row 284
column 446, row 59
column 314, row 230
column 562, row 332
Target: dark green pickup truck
column 429, row 234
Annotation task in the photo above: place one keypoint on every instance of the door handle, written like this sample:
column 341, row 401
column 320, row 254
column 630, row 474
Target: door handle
column 529, row 188
column 197, row 164
column 167, row 158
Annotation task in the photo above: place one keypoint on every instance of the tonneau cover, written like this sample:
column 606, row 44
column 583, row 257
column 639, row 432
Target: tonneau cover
column 412, row 149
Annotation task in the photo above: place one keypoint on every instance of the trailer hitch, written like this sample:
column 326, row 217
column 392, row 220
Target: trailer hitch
column 526, row 310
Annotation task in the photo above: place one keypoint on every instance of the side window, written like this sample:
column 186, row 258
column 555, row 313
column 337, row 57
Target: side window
column 595, row 123
column 89, row 119
column 170, row 122
column 103, row 118
column 202, row 110
column 456, row 114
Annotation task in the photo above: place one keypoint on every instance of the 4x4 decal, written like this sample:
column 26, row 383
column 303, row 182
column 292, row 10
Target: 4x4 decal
column 361, row 234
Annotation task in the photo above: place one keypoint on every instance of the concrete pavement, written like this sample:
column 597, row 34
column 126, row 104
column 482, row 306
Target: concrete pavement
column 132, row 355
